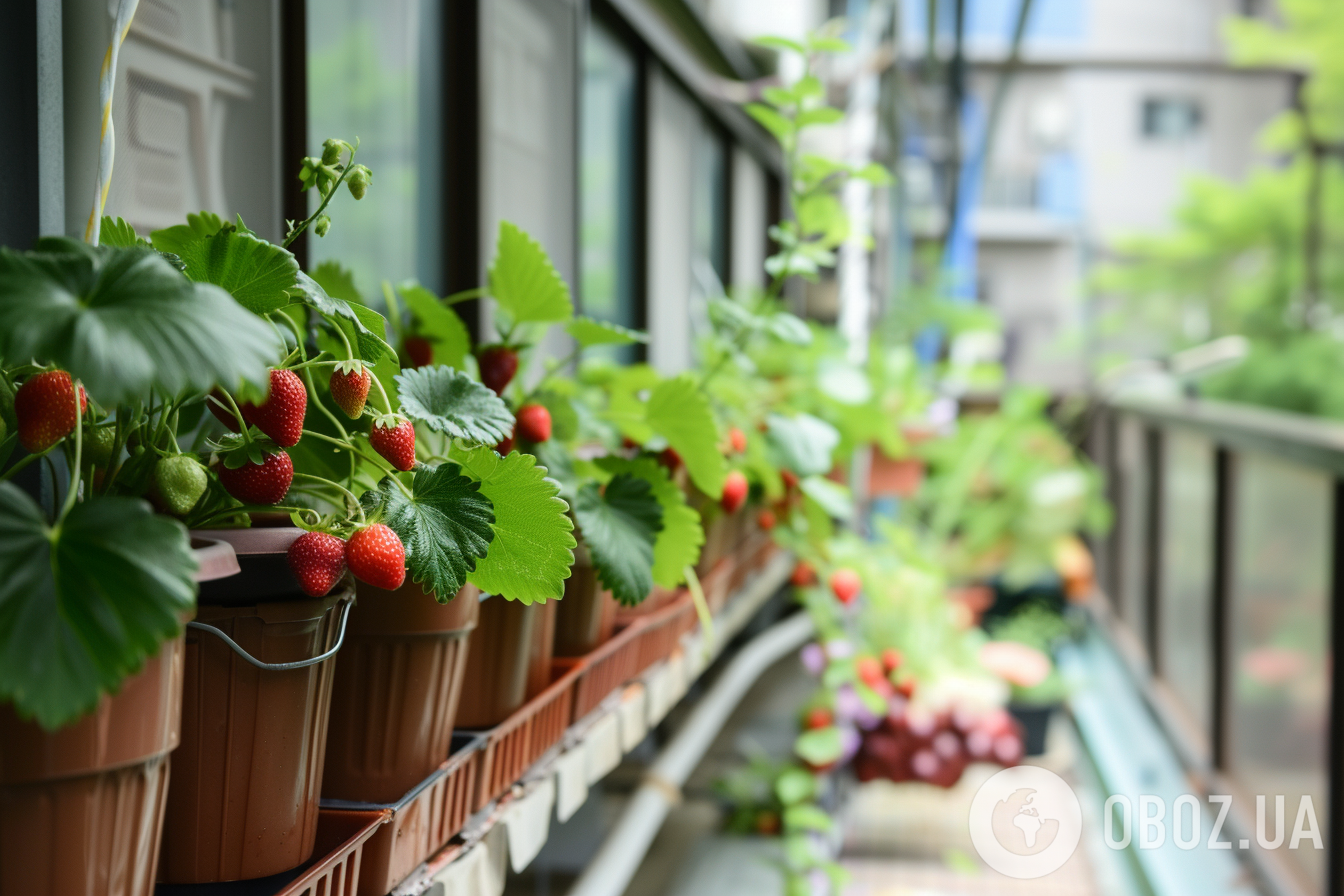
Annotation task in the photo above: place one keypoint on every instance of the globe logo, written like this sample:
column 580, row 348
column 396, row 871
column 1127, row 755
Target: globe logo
column 1025, row 822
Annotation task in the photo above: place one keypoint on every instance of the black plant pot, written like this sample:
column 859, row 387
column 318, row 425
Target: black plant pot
column 1035, row 721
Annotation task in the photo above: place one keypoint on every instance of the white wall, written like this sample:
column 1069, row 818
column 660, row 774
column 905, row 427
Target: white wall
column 748, row 207
column 673, row 121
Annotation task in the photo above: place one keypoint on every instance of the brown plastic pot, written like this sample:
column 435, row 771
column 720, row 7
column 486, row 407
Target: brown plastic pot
column 81, row 808
column 243, row 801
column 542, row 651
column 509, row 652
column 395, row 698
column 586, row 618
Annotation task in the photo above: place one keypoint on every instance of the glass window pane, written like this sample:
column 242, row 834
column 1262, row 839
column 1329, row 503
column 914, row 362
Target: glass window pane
column 1185, row 641
column 710, row 211
column 607, row 182
column 372, row 70
column 1133, row 525
column 1280, row 662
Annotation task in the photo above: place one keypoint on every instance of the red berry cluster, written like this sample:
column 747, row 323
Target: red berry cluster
column 374, row 554
column 914, row 744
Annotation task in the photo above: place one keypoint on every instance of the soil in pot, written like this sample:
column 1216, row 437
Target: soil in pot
column 243, row 799
column 586, row 618
column 396, row 693
column 81, row 808
column 509, row 652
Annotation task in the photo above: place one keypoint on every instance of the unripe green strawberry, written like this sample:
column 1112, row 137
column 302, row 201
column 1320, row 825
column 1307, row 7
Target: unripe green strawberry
column 179, row 482
column 98, row 443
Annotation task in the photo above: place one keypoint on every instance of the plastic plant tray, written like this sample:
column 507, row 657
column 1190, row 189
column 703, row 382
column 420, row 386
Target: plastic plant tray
column 421, row 823
column 333, row 871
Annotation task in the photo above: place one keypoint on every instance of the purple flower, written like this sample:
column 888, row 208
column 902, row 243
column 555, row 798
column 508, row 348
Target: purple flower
column 848, row 706
column 849, row 743
column 814, row 658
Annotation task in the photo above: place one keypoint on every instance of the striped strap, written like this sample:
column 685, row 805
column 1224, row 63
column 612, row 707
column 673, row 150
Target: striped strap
column 106, row 145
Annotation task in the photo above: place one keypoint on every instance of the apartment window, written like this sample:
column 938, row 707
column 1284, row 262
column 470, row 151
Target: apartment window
column 372, row 74
column 1171, row 118
column 608, row 172
column 709, row 236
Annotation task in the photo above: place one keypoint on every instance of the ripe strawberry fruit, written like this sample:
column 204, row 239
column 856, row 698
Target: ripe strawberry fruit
column 498, row 365
column 818, row 717
column 803, row 574
column 505, row 446
column 264, row 483
column 418, row 351
column 845, row 584
column 670, row 459
column 45, row 408
column 376, row 555
column 737, row 439
column 394, row 438
column 318, row 562
column 869, row 669
column 280, row 416
column 350, row 389
column 734, row 492
column 766, row 519
column 533, row 423
column 178, row 483
column 892, row 659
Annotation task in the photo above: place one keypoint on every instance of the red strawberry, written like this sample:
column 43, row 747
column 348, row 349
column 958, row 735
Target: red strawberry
column 498, row 365
column 790, row 479
column 869, row 669
column 350, row 389
column 505, row 446
column 280, row 416
column 845, row 583
column 45, row 408
column 818, row 717
column 670, row 459
column 734, row 492
column 533, row 423
column 766, row 520
column 737, row 439
column 803, row 574
column 891, row 659
column 394, row 439
column 418, row 350
column 263, row 483
column 376, row 555
column 318, row 561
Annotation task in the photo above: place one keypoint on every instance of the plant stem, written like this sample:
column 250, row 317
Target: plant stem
column 72, row 493
column 19, row 465
column 465, row 295
column 303, row 225
column 387, row 404
column 349, row 446
column 345, row 491
column 238, row 415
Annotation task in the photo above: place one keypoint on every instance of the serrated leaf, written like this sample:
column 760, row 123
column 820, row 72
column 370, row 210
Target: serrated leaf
column 832, row 497
column 446, row 525
column 590, row 331
column 524, row 282
column 778, row 43
column 820, row 746
column 533, row 549
column 806, row 817
column 364, row 327
column 801, row 443
column 794, row 785
column 84, row 605
column 256, row 273
column 450, row 402
column 439, row 323
column 123, row 321
column 679, row 411
column 178, row 237
column 771, row 120
column 620, row 525
column 679, row 542
column 116, row 232
column 338, row 281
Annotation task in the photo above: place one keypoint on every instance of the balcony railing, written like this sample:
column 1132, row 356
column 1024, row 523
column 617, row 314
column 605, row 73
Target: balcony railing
column 1223, row 569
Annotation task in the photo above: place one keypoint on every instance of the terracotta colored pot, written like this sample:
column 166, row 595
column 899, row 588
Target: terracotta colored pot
column 243, row 802
column 586, row 618
column 508, row 651
column 395, row 698
column 81, row 808
column 901, row 478
column 542, row 650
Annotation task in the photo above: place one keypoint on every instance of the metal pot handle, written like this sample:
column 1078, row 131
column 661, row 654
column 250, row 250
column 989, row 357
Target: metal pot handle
column 346, row 603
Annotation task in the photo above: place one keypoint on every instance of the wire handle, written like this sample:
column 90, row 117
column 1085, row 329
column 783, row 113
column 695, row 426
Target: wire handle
column 346, row 603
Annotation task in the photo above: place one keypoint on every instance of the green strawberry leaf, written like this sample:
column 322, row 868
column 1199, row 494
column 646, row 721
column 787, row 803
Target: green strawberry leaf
column 446, row 525
column 256, row 273
column 438, row 323
column 116, row 232
column 590, row 331
column 124, row 322
column 450, row 402
column 524, row 282
column 533, row 548
column 820, row 746
column 620, row 525
column 679, row 541
column 179, row 237
column 801, row 443
column 806, row 817
column 832, row 497
column 794, row 786
column 364, row 327
column 338, row 281
column 678, row 410
column 83, row 605
column 564, row 416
